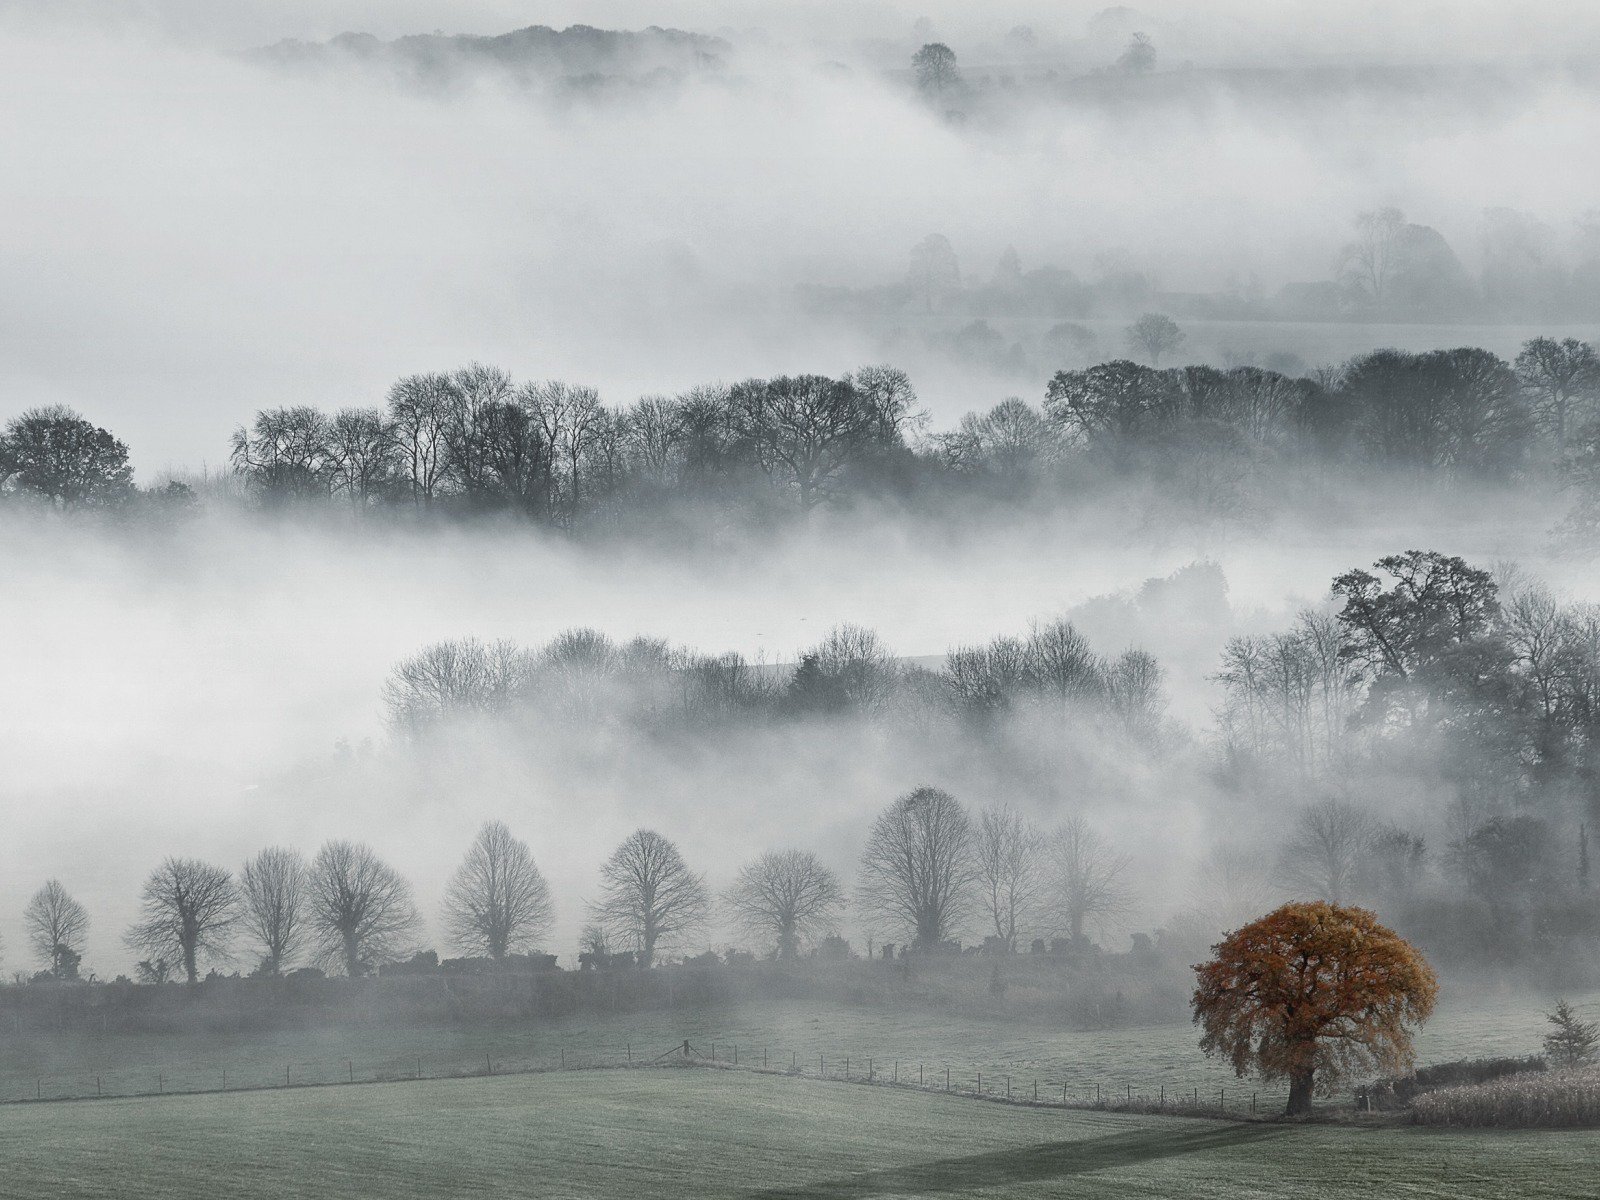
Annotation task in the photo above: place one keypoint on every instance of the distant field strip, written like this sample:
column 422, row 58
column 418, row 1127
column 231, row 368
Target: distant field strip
column 1149, row 1060
column 719, row 1134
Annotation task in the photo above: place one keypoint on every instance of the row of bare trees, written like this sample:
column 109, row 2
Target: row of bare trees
column 927, row 871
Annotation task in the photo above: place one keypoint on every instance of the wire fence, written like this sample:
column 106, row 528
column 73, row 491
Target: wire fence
column 929, row 1075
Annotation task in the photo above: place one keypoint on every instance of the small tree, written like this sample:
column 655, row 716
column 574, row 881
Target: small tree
column 1311, row 993
column 786, row 895
column 360, row 908
column 1010, row 870
column 1154, row 334
column 1140, row 56
column 649, row 895
column 273, row 885
column 1088, row 877
column 188, row 911
column 935, row 65
column 56, row 454
column 57, row 925
column 1572, row 1041
column 498, row 902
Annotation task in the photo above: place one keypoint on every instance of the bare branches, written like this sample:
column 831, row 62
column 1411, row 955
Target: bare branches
column 360, row 908
column 787, row 895
column 1330, row 841
column 497, row 902
column 1010, row 870
column 188, row 911
column 273, row 887
column 57, row 925
column 1090, row 880
column 649, row 895
column 917, row 871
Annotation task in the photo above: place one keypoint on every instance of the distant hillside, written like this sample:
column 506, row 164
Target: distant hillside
column 537, row 55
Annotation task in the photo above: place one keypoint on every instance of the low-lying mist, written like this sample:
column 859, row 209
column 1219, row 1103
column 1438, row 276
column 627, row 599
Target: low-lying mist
column 214, row 688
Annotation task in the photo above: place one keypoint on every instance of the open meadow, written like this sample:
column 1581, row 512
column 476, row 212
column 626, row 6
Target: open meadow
column 832, row 1038
column 710, row 1134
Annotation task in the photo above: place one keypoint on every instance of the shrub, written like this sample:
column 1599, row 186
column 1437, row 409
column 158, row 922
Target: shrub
column 1569, row 1098
column 1402, row 1090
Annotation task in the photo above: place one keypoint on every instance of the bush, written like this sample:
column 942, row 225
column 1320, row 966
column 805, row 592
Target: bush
column 1401, row 1091
column 1536, row 1099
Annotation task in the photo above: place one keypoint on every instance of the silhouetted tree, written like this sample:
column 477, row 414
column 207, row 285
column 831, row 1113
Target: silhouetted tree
column 188, row 911
column 935, row 66
column 788, row 896
column 1330, row 842
column 54, row 453
column 57, row 926
column 648, row 894
column 359, row 909
column 935, row 273
column 1140, row 56
column 273, row 888
column 1563, row 380
column 917, row 870
column 498, row 903
column 1155, row 334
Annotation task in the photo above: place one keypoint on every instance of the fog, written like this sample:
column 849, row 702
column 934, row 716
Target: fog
column 195, row 235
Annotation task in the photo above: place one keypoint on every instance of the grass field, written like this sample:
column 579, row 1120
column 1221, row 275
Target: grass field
column 1144, row 1058
column 712, row 1134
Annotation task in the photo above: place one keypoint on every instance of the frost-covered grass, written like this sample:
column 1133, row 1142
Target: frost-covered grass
column 712, row 1134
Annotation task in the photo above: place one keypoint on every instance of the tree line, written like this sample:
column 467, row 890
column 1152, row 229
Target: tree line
column 475, row 441
column 584, row 676
column 929, row 872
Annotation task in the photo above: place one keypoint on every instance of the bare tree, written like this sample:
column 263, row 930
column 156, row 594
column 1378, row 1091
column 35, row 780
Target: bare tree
column 360, row 908
column 1562, row 378
column 1010, row 870
column 464, row 677
column 648, row 894
column 497, row 902
column 419, row 410
column 788, row 895
column 1326, row 850
column 188, row 911
column 1155, row 334
column 1090, row 879
column 918, row 869
column 273, row 886
column 1369, row 263
column 57, row 925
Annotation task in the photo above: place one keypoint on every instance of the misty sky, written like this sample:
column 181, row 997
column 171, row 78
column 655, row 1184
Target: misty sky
column 193, row 237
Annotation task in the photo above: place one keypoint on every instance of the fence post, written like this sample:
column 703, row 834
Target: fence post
column 947, row 1079
column 351, row 1064
column 1008, row 1087
column 38, row 1089
column 630, row 1052
column 847, row 1066
column 1035, row 1091
column 488, row 1064
column 822, row 1067
column 897, row 1070
column 1252, row 1101
column 285, row 1074
column 419, row 1066
column 97, row 1085
column 224, row 1078
column 563, row 1058
column 161, row 1084
column 869, row 1069
column 1063, row 1093
column 1163, row 1096
column 794, row 1060
column 713, row 1052
column 1222, row 1099
column 980, row 1083
column 736, row 1054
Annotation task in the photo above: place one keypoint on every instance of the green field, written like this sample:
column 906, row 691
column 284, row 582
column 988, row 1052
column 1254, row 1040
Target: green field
column 1145, row 1058
column 713, row 1133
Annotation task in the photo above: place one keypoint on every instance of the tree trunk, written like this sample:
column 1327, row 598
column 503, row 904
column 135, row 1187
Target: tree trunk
column 188, row 962
column 352, row 956
column 1299, row 1095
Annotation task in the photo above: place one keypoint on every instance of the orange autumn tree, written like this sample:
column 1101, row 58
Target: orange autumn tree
column 1312, row 993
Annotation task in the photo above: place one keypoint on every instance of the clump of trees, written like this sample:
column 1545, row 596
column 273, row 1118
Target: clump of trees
column 1053, row 673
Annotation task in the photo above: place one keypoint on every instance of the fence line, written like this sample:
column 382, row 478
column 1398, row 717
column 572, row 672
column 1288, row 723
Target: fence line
column 1036, row 1090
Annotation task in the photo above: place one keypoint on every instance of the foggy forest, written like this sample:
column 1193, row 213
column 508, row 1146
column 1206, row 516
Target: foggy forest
column 920, row 534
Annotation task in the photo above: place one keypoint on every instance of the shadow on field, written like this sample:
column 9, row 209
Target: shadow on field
column 1024, row 1164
